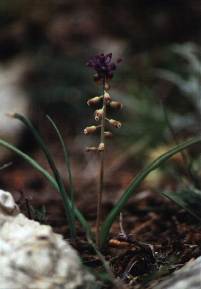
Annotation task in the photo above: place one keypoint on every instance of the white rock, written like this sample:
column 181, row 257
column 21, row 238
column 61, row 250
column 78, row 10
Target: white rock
column 33, row 257
column 188, row 277
column 12, row 99
column 7, row 204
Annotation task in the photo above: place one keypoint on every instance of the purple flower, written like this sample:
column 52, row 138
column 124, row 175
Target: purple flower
column 103, row 66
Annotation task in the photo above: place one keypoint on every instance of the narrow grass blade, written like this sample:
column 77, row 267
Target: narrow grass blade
column 67, row 163
column 189, row 199
column 137, row 181
column 43, row 146
column 51, row 179
column 31, row 161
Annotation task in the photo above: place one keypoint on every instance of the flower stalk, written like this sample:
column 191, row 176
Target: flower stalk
column 101, row 179
column 104, row 72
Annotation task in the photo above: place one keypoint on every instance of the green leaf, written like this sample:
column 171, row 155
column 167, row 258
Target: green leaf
column 67, row 163
column 43, row 146
column 51, row 179
column 189, row 199
column 31, row 161
column 105, row 228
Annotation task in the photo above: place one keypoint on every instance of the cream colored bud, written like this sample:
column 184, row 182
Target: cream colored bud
column 107, row 97
column 10, row 114
column 101, row 147
column 107, row 86
column 98, row 114
column 116, row 105
column 91, row 149
column 90, row 129
column 115, row 123
column 108, row 134
column 94, row 100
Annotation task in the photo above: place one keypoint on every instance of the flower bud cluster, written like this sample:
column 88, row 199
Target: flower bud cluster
column 100, row 116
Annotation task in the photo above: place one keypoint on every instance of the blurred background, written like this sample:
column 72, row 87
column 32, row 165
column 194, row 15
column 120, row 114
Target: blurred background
column 44, row 46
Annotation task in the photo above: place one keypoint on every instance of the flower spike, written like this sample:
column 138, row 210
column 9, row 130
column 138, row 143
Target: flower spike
column 104, row 69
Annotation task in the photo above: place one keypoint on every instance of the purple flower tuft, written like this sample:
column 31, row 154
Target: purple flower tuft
column 103, row 66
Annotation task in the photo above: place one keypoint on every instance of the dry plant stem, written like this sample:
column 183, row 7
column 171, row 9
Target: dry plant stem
column 122, row 231
column 101, row 180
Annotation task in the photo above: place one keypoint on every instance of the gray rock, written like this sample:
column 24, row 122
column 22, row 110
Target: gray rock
column 32, row 256
column 188, row 277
